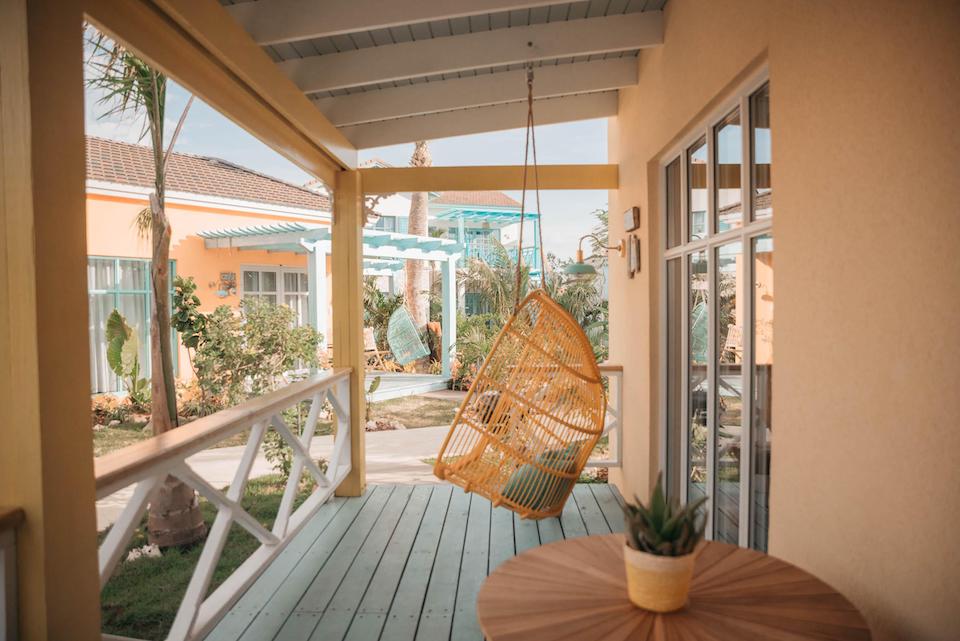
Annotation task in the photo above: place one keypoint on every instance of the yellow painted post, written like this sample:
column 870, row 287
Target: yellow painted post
column 46, row 450
column 347, row 286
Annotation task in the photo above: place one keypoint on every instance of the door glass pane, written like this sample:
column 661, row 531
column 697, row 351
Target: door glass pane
column 251, row 281
column 673, row 203
column 134, row 275
column 134, row 308
column 762, row 291
column 760, row 165
column 304, row 286
column 268, row 281
column 729, row 396
column 698, row 328
column 697, row 190
column 729, row 157
column 269, row 298
column 674, row 355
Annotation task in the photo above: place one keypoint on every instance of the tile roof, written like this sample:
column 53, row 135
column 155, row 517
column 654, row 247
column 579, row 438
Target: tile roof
column 124, row 163
column 474, row 198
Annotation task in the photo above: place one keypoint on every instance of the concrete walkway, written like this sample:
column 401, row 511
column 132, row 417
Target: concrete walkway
column 393, row 458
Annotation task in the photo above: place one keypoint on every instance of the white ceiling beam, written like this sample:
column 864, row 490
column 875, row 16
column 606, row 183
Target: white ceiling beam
column 476, row 51
column 481, row 119
column 478, row 91
column 275, row 21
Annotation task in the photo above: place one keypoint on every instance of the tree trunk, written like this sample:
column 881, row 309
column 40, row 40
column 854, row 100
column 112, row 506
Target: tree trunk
column 417, row 293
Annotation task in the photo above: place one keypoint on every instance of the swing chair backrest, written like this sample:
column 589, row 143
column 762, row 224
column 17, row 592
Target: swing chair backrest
column 404, row 338
column 532, row 416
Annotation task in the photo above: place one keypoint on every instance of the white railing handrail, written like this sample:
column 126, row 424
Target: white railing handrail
column 135, row 462
column 614, row 427
column 10, row 520
column 147, row 465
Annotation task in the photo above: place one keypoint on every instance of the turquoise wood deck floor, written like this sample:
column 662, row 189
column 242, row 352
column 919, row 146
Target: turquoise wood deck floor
column 400, row 563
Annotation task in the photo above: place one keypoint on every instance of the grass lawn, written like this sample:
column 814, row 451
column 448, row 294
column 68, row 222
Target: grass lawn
column 107, row 439
column 142, row 597
column 416, row 411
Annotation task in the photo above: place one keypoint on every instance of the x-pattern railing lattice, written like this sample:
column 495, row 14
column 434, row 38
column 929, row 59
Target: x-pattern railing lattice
column 197, row 613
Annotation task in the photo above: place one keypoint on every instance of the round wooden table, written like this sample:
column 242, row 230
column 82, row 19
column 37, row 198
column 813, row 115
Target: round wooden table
column 576, row 590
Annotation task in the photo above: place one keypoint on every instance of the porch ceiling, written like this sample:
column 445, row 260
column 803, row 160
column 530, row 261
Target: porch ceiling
column 385, row 73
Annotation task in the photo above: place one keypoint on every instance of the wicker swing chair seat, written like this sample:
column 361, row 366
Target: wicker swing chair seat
column 532, row 416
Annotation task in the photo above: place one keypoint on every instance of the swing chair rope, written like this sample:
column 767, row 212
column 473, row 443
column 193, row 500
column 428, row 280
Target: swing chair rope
column 530, row 143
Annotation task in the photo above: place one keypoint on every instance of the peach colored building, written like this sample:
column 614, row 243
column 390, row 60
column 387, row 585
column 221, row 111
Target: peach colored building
column 203, row 194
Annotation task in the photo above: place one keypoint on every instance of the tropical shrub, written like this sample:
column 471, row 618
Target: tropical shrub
column 378, row 306
column 123, row 357
column 106, row 408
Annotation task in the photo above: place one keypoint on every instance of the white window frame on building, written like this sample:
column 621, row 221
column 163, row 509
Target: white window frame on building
column 283, row 291
column 675, row 416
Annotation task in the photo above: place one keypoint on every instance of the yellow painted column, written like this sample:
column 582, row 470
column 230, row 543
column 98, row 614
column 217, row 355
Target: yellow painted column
column 46, row 450
column 347, row 286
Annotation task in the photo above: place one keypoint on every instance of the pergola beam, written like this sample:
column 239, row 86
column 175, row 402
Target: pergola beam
column 487, row 178
column 477, row 91
column 475, row 51
column 276, row 21
column 481, row 120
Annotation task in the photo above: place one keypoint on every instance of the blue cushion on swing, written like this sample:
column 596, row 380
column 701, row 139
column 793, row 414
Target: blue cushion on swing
column 544, row 493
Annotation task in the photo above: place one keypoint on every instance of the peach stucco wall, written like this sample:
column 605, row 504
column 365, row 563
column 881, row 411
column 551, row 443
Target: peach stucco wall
column 111, row 232
column 866, row 450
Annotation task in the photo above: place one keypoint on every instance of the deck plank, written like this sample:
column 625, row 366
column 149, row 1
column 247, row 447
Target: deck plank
column 571, row 521
column 550, row 530
column 526, row 534
column 502, row 538
column 610, row 502
column 437, row 613
column 282, row 602
column 313, row 601
column 404, row 615
column 339, row 613
column 256, row 597
column 473, row 570
column 373, row 608
column 590, row 511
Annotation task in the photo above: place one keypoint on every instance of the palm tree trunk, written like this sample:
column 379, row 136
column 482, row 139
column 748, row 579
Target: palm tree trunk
column 417, row 292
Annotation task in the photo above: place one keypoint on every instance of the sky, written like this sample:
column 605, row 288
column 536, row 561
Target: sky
column 567, row 215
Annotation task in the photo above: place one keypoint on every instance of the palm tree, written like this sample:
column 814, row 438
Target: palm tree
column 495, row 281
column 131, row 86
column 417, row 287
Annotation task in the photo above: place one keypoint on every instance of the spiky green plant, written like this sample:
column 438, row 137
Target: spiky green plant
column 664, row 528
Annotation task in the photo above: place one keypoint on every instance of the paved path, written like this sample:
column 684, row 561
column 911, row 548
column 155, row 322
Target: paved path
column 393, row 458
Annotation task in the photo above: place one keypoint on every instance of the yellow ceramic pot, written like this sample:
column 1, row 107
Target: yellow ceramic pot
column 658, row 583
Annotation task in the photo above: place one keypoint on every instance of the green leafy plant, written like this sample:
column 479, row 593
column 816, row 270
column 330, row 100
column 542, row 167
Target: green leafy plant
column 187, row 318
column 664, row 528
column 123, row 357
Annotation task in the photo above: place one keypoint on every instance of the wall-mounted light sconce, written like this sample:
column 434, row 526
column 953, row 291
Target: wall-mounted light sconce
column 581, row 270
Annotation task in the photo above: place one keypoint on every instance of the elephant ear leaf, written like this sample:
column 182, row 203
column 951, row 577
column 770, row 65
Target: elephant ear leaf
column 116, row 327
column 129, row 355
column 114, row 355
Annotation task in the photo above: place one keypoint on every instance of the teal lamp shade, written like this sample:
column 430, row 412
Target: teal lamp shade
column 580, row 270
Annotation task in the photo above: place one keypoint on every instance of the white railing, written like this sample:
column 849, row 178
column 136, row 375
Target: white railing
column 10, row 520
column 147, row 465
column 614, row 427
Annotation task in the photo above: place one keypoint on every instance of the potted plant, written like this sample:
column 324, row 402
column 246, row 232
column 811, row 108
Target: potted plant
column 660, row 549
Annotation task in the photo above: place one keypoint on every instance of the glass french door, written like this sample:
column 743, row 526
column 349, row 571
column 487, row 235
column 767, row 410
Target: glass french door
column 718, row 321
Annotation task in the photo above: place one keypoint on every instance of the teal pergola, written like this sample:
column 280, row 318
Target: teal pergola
column 496, row 219
column 384, row 253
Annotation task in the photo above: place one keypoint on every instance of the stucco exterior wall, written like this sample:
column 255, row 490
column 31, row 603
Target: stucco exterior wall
column 111, row 232
column 865, row 475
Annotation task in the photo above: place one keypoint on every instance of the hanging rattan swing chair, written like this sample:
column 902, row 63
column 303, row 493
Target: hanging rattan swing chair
column 536, row 408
